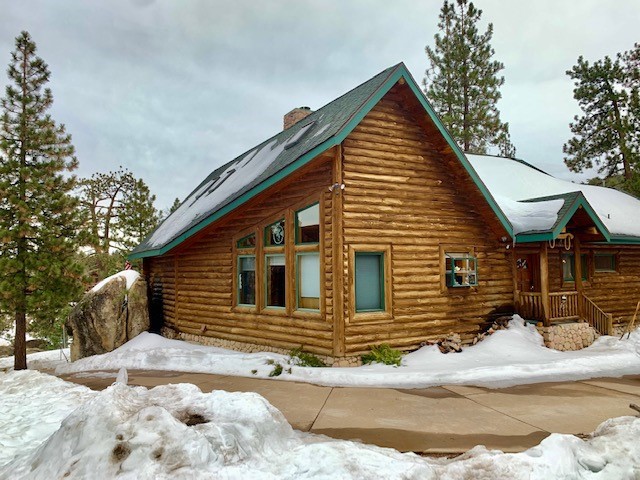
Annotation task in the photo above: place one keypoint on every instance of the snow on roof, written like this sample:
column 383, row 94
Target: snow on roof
column 229, row 182
column 512, row 181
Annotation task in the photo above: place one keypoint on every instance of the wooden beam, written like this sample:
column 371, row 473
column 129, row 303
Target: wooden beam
column 337, row 233
column 577, row 261
column 544, row 282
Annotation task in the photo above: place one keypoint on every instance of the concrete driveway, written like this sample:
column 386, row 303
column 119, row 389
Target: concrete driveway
column 450, row 419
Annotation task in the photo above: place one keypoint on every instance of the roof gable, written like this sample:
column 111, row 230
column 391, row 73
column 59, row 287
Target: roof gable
column 234, row 183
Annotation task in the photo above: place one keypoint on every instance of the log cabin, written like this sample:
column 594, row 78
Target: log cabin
column 364, row 223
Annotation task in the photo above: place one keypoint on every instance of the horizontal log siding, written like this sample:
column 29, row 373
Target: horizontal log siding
column 161, row 276
column 400, row 191
column 616, row 293
column 204, row 281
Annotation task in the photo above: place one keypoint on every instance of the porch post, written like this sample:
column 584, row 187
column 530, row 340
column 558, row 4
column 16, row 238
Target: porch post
column 577, row 261
column 544, row 283
column 337, row 267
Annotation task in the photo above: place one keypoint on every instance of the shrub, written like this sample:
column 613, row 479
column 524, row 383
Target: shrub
column 305, row 359
column 383, row 354
column 277, row 370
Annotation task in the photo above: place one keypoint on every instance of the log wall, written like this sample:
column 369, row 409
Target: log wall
column 404, row 191
column 203, row 279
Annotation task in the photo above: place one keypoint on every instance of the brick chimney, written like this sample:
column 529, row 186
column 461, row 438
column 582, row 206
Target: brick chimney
column 295, row 115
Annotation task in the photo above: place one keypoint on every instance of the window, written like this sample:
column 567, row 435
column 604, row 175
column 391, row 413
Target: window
column 274, row 234
column 247, row 242
column 308, row 224
column 369, row 281
column 461, row 269
column 307, row 254
column 278, row 265
column 308, row 281
column 247, row 280
column 569, row 267
column 276, row 281
column 604, row 262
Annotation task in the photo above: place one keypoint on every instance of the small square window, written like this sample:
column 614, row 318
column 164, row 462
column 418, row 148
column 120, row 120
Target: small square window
column 604, row 262
column 461, row 270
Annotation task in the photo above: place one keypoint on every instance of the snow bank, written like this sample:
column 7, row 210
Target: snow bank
column 176, row 431
column 129, row 276
column 32, row 405
column 508, row 357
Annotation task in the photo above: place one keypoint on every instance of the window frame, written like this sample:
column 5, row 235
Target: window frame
column 298, row 308
column 453, row 256
column 586, row 268
column 239, row 257
column 290, row 250
column 295, row 226
column 448, row 250
column 614, row 259
column 386, row 288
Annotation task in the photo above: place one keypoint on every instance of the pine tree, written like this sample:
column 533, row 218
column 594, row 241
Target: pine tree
column 606, row 134
column 463, row 83
column 38, row 216
column 174, row 206
column 138, row 216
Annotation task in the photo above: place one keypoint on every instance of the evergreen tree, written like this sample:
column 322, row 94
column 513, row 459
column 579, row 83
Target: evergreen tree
column 102, row 199
column 38, row 216
column 174, row 206
column 138, row 216
column 463, row 83
column 606, row 134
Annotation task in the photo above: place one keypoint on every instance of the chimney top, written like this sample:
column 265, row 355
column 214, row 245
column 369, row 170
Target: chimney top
column 295, row 115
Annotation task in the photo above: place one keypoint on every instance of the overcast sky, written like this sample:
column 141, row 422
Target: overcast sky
column 173, row 89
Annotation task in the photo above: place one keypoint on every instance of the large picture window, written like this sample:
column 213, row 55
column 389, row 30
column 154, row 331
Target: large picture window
column 278, row 265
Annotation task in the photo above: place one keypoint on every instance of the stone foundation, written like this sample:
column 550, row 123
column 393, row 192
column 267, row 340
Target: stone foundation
column 568, row 336
column 254, row 348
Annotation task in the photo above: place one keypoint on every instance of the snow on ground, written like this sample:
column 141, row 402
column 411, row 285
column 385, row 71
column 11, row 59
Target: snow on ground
column 32, row 405
column 47, row 360
column 508, row 357
column 129, row 276
column 176, row 431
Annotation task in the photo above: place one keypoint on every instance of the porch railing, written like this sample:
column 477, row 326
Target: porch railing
column 597, row 318
column 530, row 305
column 565, row 306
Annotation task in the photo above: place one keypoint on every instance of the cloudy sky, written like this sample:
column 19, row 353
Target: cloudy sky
column 173, row 89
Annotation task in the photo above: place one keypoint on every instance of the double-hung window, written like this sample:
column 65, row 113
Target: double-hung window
column 246, row 280
column 307, row 255
column 275, row 265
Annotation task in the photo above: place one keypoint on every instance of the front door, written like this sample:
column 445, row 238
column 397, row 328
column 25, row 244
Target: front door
column 528, row 273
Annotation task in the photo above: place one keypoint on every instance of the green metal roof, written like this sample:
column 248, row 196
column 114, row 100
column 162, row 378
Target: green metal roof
column 286, row 152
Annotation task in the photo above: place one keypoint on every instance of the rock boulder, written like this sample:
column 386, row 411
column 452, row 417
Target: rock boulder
column 108, row 317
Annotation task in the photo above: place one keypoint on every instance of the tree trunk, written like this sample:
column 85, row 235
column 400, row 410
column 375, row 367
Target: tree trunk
column 20, row 342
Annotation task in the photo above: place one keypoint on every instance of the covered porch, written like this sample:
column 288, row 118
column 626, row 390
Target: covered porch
column 552, row 271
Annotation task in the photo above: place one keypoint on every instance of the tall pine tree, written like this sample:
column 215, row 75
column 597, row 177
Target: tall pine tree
column 606, row 134
column 462, row 82
column 38, row 217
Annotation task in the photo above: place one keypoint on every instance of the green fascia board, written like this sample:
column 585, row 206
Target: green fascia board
column 579, row 201
column 624, row 240
column 395, row 74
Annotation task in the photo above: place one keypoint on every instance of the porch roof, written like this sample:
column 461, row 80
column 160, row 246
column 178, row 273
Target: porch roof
column 540, row 205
